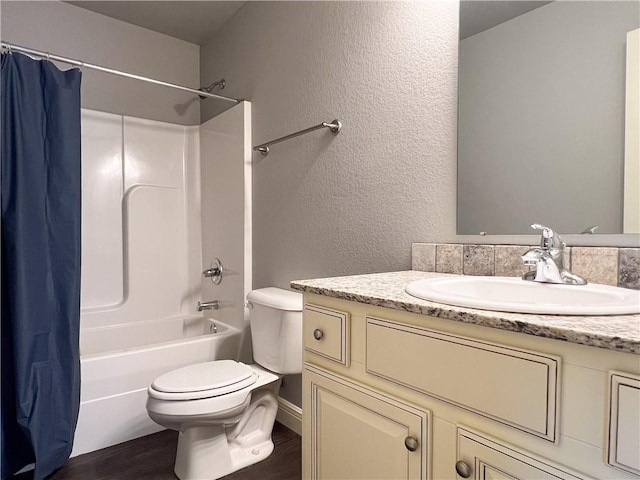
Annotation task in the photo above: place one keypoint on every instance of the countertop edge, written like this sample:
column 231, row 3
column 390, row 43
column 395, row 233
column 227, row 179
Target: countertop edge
column 519, row 323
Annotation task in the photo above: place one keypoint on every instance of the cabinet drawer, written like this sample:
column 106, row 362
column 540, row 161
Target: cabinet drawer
column 326, row 333
column 513, row 386
column 624, row 422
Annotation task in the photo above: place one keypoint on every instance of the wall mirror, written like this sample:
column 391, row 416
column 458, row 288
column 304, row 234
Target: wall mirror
column 546, row 92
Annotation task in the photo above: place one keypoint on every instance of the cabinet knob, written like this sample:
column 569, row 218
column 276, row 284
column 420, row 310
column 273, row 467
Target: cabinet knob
column 463, row 469
column 318, row 334
column 411, row 444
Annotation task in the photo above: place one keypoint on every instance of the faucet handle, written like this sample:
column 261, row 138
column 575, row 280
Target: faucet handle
column 549, row 239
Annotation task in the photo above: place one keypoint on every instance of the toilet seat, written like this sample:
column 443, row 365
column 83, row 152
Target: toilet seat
column 170, row 410
column 203, row 380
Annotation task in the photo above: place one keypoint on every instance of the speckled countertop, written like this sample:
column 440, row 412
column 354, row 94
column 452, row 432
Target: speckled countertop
column 614, row 332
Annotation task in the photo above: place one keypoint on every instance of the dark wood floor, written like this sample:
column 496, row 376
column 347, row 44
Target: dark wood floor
column 152, row 458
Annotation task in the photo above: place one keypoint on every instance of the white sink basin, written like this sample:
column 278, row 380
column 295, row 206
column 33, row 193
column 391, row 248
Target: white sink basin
column 509, row 294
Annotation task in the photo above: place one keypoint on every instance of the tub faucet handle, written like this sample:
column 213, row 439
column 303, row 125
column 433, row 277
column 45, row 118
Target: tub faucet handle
column 215, row 272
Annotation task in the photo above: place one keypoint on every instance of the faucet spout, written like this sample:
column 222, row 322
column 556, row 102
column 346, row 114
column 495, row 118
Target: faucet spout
column 547, row 270
column 549, row 260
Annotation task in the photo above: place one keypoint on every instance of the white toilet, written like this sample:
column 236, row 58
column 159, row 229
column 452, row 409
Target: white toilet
column 225, row 410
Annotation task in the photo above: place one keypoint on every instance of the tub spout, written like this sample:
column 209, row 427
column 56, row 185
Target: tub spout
column 212, row 305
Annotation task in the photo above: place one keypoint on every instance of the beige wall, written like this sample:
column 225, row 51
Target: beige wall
column 80, row 34
column 354, row 203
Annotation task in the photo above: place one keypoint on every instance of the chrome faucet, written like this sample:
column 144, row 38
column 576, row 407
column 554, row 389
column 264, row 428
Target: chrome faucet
column 212, row 305
column 549, row 260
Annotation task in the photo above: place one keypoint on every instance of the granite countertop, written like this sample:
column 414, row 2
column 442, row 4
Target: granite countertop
column 614, row 332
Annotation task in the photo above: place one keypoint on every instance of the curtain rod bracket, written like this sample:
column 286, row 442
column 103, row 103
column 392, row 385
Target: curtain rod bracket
column 334, row 126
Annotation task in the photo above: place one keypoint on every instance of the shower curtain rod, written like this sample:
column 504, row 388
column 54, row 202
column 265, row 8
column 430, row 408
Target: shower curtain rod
column 50, row 56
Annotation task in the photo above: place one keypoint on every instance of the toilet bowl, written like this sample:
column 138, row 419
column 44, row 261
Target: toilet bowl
column 225, row 410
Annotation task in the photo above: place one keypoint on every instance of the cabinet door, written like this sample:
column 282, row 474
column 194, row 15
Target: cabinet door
column 482, row 458
column 624, row 422
column 352, row 432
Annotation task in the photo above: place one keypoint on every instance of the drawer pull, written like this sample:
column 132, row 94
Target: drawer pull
column 318, row 334
column 411, row 444
column 463, row 469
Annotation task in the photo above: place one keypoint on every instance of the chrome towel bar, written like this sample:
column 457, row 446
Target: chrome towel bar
column 335, row 127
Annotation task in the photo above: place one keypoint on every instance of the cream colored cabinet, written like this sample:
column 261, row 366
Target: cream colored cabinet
column 482, row 458
column 326, row 333
column 624, row 422
column 514, row 386
column 379, row 383
column 356, row 433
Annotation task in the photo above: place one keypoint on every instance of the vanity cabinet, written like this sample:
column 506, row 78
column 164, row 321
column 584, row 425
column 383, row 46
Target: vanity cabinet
column 624, row 422
column 356, row 433
column 393, row 394
column 327, row 333
column 484, row 459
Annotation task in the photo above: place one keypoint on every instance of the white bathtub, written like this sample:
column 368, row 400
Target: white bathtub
column 119, row 362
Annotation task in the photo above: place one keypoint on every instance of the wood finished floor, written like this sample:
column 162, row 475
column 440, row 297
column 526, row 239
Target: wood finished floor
column 152, row 458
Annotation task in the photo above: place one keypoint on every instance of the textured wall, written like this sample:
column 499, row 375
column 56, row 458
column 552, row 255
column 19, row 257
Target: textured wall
column 71, row 31
column 326, row 205
column 354, row 203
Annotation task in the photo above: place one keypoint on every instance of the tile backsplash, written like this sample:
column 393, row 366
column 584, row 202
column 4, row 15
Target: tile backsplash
column 605, row 265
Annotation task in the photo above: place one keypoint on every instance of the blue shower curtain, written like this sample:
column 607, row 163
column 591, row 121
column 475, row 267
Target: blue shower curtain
column 40, row 182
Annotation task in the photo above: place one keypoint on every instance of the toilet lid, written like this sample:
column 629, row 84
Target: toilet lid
column 209, row 376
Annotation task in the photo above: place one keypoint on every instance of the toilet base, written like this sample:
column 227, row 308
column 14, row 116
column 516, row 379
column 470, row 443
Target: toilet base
column 209, row 452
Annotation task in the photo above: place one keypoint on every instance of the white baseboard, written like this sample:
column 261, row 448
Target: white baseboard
column 289, row 415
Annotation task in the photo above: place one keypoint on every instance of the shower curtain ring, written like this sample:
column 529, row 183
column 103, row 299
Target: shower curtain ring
column 48, row 57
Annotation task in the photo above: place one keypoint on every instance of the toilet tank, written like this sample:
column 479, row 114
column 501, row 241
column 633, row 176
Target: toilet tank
column 275, row 317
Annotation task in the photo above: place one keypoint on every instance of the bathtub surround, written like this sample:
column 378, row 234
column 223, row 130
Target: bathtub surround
column 141, row 267
column 225, row 196
column 619, row 267
column 141, row 237
column 156, row 196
